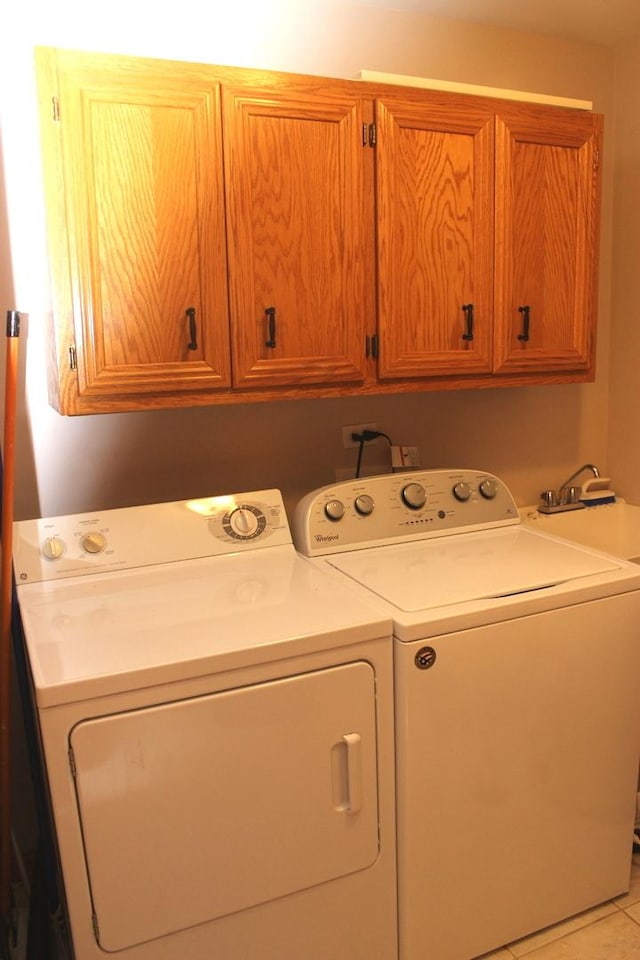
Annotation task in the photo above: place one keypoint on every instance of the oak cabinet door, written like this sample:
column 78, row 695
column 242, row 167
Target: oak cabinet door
column 300, row 221
column 547, row 218
column 141, row 160
column 435, row 237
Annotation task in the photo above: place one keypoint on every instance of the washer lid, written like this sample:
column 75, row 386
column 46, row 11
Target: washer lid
column 471, row 566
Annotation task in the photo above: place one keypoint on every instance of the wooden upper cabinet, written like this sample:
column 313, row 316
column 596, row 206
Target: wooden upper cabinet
column 137, row 159
column 435, row 236
column 219, row 235
column 547, row 221
column 300, row 222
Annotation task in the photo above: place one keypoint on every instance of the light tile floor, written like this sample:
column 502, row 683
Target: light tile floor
column 610, row 931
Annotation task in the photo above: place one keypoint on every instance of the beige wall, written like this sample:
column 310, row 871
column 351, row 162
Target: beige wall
column 532, row 437
column 624, row 408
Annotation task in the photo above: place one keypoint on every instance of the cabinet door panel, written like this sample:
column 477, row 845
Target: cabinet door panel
column 546, row 225
column 142, row 166
column 435, row 237
column 301, row 237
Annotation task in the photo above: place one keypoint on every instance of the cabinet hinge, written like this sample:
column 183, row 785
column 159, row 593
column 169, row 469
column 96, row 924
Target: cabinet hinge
column 73, row 358
column 72, row 763
column 55, row 104
column 368, row 134
column 596, row 158
column 96, row 929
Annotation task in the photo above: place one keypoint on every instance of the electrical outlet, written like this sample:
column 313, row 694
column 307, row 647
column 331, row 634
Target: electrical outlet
column 347, row 442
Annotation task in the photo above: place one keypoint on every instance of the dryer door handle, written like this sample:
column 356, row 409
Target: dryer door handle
column 353, row 743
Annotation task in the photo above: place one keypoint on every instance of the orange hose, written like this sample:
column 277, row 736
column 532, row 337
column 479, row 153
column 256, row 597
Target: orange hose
column 6, row 587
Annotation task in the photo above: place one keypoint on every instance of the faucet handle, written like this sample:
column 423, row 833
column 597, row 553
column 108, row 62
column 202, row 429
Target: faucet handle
column 549, row 498
column 571, row 494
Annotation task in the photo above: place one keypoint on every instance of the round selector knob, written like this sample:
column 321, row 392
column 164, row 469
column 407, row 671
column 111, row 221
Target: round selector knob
column 94, row 542
column 364, row 505
column 462, row 491
column 414, row 495
column 52, row 548
column 488, row 488
column 334, row 510
column 243, row 523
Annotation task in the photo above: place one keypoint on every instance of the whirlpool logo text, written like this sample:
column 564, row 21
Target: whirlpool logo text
column 323, row 538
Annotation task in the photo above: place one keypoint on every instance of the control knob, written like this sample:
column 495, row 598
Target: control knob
column 488, row 488
column 94, row 542
column 364, row 505
column 414, row 495
column 52, row 548
column 334, row 510
column 462, row 491
column 243, row 523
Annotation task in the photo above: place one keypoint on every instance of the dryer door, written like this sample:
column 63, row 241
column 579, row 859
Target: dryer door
column 199, row 808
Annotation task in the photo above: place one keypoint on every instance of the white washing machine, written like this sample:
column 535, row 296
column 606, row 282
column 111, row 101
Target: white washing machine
column 517, row 693
column 216, row 719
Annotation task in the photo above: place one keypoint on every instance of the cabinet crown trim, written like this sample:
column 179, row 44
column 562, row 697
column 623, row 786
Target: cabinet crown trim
column 426, row 83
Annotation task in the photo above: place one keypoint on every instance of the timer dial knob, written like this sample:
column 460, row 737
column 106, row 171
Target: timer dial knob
column 462, row 491
column 334, row 510
column 94, row 542
column 414, row 495
column 243, row 522
column 488, row 488
column 364, row 505
column 52, row 548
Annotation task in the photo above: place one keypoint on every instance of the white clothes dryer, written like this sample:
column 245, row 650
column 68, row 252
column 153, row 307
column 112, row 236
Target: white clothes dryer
column 517, row 658
column 217, row 725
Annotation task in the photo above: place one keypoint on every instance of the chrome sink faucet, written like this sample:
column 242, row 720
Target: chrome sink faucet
column 566, row 497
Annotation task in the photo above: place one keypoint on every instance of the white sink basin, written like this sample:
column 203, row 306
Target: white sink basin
column 612, row 527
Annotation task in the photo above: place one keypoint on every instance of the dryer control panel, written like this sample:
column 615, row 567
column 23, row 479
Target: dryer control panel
column 393, row 508
column 106, row 540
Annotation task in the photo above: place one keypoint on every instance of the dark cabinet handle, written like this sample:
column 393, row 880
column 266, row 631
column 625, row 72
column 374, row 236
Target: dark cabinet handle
column 270, row 314
column 524, row 336
column 468, row 310
column 193, row 332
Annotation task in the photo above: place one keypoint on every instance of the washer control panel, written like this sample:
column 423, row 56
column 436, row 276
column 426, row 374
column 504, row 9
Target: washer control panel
column 108, row 540
column 396, row 507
